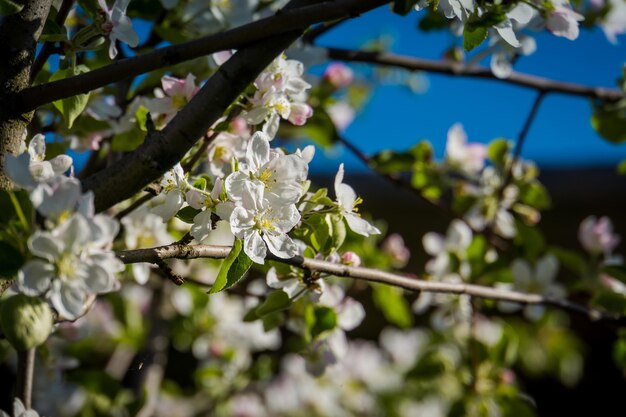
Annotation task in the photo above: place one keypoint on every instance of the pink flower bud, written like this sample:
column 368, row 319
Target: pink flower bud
column 394, row 246
column 351, row 259
column 300, row 112
column 339, row 75
column 596, row 235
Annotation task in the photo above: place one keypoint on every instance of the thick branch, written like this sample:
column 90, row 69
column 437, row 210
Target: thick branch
column 161, row 150
column 180, row 251
column 18, row 39
column 459, row 69
column 283, row 22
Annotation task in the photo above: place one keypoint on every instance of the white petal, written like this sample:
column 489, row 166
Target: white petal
column 522, row 13
column 61, row 163
column 37, row 147
column 258, row 152
column 281, row 245
column 68, row 300
column 241, row 220
column 505, row 30
column 44, row 245
column 433, row 243
column 360, row 226
column 18, row 169
column 351, row 315
column 98, row 280
column 35, row 277
column 522, row 273
column 202, row 225
column 546, row 269
column 141, row 272
column 171, row 202
column 338, row 178
column 346, row 196
column 254, row 247
column 501, row 65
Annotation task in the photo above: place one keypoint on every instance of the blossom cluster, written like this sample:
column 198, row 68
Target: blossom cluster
column 72, row 260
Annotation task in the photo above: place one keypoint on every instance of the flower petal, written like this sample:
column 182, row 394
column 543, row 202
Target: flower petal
column 35, row 277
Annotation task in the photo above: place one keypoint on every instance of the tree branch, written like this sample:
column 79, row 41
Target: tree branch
column 183, row 251
column 161, row 150
column 281, row 23
column 18, row 40
column 452, row 68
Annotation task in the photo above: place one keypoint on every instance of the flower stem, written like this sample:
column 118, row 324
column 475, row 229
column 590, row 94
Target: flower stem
column 25, row 369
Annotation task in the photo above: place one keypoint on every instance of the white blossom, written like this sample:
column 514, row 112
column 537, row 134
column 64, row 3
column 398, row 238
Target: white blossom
column 347, row 202
column 71, row 263
column 118, row 25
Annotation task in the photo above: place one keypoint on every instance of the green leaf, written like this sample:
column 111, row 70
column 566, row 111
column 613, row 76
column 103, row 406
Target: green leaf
column 200, row 183
column 319, row 319
column 319, row 231
column 7, row 7
column 473, row 37
column 621, row 168
column 616, row 271
column 141, row 115
column 338, row 227
column 73, row 106
column 16, row 206
column 52, row 32
column 393, row 162
column 187, row 214
column 497, row 151
column 609, row 120
column 570, row 259
column 128, row 141
column 536, row 195
column 393, row 305
column 11, row 260
column 233, row 268
column 275, row 301
column 611, row 301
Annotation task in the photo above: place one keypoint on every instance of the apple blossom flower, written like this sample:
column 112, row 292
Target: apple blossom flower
column 468, row 158
column 394, row 246
column 563, row 21
column 259, row 224
column 597, row 236
column 614, row 23
column 30, row 167
column 173, row 96
column 341, row 114
column 347, row 202
column 339, row 75
column 71, row 263
column 502, row 58
column 280, row 175
column 460, row 9
column 117, row 25
column 19, row 410
column 537, row 280
column 458, row 238
column 522, row 13
column 280, row 94
column 172, row 197
column 143, row 229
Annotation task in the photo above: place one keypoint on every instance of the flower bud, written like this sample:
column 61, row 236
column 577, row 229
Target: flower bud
column 26, row 321
column 339, row 75
column 351, row 259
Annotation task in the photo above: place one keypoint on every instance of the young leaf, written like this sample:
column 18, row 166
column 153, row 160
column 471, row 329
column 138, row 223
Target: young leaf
column 187, row 214
column 473, row 36
column 233, row 269
column 393, row 305
column 73, row 106
column 11, row 260
column 8, row 7
column 275, row 301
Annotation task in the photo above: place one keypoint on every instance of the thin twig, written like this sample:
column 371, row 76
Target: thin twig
column 458, row 69
column 25, row 370
column 177, row 251
column 135, row 205
column 314, row 33
column 393, row 178
column 48, row 48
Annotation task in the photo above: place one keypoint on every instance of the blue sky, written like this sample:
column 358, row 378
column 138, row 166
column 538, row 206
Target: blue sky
column 561, row 135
